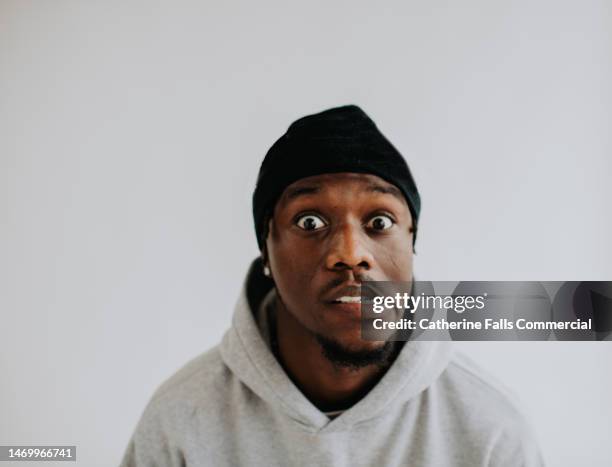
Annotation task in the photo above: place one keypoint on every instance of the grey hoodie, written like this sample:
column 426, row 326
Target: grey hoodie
column 234, row 405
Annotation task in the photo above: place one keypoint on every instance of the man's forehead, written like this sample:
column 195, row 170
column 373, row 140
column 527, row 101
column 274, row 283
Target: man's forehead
column 320, row 183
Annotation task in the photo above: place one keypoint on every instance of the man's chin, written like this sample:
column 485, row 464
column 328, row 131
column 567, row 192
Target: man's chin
column 356, row 355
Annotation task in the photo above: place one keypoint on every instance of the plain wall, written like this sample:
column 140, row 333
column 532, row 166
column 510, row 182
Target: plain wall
column 130, row 138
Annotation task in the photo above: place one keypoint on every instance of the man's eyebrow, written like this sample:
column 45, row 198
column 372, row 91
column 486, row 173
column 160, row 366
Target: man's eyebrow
column 385, row 189
column 297, row 191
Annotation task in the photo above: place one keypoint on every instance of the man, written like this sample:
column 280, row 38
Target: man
column 292, row 382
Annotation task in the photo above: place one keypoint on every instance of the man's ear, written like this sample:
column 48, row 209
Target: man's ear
column 265, row 260
column 268, row 227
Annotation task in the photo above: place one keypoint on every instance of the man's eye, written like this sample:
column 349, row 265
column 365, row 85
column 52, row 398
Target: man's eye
column 310, row 222
column 380, row 223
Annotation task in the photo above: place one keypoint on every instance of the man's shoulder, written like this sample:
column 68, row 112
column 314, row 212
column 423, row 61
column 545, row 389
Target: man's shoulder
column 198, row 383
column 487, row 411
column 470, row 383
column 185, row 406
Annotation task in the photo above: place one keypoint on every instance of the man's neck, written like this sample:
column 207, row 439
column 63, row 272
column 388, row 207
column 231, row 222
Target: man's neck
column 327, row 385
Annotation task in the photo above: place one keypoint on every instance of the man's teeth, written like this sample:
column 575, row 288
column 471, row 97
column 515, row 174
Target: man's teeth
column 349, row 300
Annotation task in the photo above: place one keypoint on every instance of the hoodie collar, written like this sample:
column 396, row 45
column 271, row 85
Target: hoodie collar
column 245, row 351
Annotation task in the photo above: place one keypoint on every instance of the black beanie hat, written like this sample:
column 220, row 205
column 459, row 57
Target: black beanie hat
column 342, row 139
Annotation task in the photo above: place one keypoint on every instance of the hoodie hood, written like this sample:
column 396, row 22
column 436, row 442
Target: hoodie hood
column 246, row 353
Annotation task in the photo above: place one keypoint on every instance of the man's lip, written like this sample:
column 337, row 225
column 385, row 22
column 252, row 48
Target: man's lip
column 354, row 309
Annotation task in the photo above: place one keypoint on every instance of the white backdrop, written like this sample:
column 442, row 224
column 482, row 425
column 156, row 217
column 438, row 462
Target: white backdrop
column 130, row 138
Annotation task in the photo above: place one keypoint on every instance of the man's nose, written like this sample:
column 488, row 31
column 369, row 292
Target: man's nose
column 348, row 249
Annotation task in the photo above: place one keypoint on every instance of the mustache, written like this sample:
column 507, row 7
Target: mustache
column 336, row 282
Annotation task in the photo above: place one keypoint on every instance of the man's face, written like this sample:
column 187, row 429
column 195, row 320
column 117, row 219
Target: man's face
column 327, row 234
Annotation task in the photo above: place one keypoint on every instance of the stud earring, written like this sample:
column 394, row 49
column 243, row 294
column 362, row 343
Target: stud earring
column 266, row 271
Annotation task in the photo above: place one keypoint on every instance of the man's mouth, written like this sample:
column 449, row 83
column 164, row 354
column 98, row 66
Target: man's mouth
column 352, row 294
column 348, row 299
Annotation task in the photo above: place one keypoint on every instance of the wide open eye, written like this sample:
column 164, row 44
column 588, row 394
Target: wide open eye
column 310, row 222
column 380, row 223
